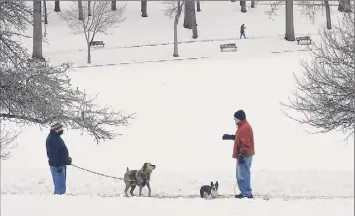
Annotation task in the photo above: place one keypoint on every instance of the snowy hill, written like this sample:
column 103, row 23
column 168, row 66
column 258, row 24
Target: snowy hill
column 183, row 109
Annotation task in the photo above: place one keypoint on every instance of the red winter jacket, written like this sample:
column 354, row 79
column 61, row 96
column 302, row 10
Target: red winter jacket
column 242, row 28
column 244, row 140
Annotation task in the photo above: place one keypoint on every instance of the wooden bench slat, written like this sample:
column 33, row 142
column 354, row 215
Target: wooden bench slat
column 303, row 38
column 230, row 45
column 94, row 43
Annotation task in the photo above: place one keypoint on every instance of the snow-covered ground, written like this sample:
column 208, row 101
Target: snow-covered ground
column 84, row 206
column 182, row 110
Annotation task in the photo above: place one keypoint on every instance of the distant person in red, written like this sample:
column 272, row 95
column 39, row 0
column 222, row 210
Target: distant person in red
column 242, row 31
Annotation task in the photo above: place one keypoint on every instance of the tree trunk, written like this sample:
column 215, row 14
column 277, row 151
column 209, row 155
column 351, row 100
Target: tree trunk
column 341, row 6
column 80, row 9
column 194, row 26
column 189, row 13
column 176, row 50
column 290, row 30
column 243, row 6
column 252, row 4
column 144, row 8
column 89, row 8
column 89, row 53
column 344, row 6
column 176, row 22
column 37, row 31
column 56, row 6
column 347, row 6
column 45, row 12
column 327, row 14
column 113, row 5
column 198, row 6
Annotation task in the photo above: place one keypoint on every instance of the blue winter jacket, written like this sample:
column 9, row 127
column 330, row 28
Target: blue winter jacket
column 57, row 151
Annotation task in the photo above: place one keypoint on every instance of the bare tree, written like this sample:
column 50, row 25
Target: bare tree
column 198, row 6
column 56, row 6
column 7, row 141
column 344, row 6
column 89, row 8
column 36, row 93
column 324, row 93
column 41, row 94
column 80, row 10
column 45, row 12
column 173, row 9
column 243, row 6
column 37, row 31
column 144, row 8
column 113, row 5
column 15, row 17
column 194, row 25
column 252, row 4
column 290, row 29
column 189, row 14
column 274, row 7
column 327, row 14
column 289, row 26
column 312, row 8
column 102, row 19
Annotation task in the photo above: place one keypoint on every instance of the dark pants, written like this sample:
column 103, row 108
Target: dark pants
column 59, row 179
column 242, row 34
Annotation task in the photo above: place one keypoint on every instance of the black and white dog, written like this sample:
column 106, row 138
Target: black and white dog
column 209, row 191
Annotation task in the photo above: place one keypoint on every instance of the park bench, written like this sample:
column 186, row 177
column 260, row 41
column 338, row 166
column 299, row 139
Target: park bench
column 228, row 46
column 97, row 43
column 303, row 38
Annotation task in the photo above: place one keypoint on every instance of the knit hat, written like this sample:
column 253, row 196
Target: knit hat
column 240, row 114
column 57, row 126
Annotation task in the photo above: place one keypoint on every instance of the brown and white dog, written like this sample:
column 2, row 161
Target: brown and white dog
column 140, row 178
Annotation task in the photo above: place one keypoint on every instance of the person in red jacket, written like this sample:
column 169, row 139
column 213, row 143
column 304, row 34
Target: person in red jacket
column 242, row 31
column 243, row 151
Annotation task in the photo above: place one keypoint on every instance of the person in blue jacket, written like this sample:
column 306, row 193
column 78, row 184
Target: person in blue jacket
column 58, row 157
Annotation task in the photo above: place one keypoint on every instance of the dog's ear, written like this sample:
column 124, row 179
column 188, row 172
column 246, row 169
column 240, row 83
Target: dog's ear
column 216, row 184
column 211, row 184
column 145, row 166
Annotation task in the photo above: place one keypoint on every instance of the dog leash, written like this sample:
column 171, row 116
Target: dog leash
column 235, row 186
column 96, row 172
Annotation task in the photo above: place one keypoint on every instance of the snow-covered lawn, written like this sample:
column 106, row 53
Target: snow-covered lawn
column 182, row 110
column 87, row 205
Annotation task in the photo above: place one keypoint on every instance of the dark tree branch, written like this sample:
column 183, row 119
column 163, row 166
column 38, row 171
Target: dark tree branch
column 324, row 95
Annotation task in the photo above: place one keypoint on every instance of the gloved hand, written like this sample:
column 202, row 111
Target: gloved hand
column 241, row 158
column 59, row 169
column 228, row 137
column 69, row 161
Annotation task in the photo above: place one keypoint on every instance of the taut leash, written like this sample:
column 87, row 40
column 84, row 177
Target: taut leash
column 96, row 172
